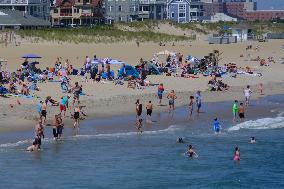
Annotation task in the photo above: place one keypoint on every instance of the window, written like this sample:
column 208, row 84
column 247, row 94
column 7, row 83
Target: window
column 173, row 14
column 181, row 7
column 119, row 8
column 55, row 11
column 181, row 14
column 110, row 8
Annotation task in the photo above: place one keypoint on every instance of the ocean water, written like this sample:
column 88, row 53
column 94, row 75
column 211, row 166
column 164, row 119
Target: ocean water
column 123, row 159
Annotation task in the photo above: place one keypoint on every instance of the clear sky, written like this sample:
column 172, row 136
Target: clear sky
column 270, row 4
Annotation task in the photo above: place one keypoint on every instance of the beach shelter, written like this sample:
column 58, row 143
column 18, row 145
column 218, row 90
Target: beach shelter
column 193, row 60
column 153, row 69
column 31, row 56
column 127, row 70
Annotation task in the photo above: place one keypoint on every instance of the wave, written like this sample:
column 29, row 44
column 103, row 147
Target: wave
column 264, row 123
column 48, row 140
column 172, row 128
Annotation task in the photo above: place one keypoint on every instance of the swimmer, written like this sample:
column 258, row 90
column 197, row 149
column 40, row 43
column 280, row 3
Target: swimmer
column 33, row 147
column 139, row 126
column 252, row 140
column 190, row 152
column 237, row 156
column 180, row 140
column 216, row 125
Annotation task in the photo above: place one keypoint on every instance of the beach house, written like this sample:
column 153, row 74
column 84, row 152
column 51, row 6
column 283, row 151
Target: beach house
column 76, row 12
column 178, row 10
column 152, row 9
column 121, row 10
column 36, row 8
column 183, row 11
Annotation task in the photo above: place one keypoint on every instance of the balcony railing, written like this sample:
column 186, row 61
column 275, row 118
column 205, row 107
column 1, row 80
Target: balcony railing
column 13, row 2
column 65, row 14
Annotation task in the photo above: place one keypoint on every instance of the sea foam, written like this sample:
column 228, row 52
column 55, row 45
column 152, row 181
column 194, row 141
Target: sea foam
column 263, row 123
column 172, row 128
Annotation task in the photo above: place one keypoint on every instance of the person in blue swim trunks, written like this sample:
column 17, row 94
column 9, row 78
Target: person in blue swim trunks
column 217, row 126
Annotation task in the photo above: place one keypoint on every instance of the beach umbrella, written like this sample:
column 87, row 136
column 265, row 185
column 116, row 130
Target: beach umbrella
column 31, row 56
column 115, row 62
column 96, row 61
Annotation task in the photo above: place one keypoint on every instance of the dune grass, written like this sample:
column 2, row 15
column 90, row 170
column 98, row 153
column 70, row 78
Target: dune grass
column 102, row 33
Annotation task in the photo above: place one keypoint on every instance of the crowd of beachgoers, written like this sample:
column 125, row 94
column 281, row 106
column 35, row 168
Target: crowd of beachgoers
column 26, row 79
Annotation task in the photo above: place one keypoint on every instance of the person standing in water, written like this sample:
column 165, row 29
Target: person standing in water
column 237, row 155
column 190, row 106
column 198, row 101
column 190, row 152
column 77, row 112
column 235, row 110
column 138, row 109
column 160, row 93
column 149, row 108
column 217, row 126
column 241, row 111
column 172, row 97
column 247, row 93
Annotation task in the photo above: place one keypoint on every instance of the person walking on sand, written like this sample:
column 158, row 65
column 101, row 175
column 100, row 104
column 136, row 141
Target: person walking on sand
column 64, row 104
column 247, row 93
column 77, row 89
column 190, row 106
column 198, row 101
column 160, row 93
column 172, row 97
column 235, row 110
column 149, row 108
column 138, row 109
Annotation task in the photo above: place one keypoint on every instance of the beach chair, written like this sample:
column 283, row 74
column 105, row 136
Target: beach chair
column 3, row 91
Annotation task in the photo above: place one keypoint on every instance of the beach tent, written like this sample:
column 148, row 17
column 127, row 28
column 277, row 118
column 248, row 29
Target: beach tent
column 153, row 68
column 31, row 56
column 192, row 59
column 128, row 71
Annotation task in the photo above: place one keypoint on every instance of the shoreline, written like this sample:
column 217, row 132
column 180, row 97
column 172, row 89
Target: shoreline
column 162, row 121
column 123, row 105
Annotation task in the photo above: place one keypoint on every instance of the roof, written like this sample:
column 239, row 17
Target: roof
column 17, row 18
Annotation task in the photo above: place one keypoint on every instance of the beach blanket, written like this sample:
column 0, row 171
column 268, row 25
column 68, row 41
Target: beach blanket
column 53, row 81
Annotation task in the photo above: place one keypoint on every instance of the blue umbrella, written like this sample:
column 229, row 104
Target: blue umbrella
column 31, row 56
column 96, row 61
column 116, row 62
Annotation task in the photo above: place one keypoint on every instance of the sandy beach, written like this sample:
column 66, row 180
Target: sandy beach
column 108, row 99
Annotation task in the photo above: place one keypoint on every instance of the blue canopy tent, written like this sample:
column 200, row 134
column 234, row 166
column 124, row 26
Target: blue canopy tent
column 31, row 56
column 127, row 70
